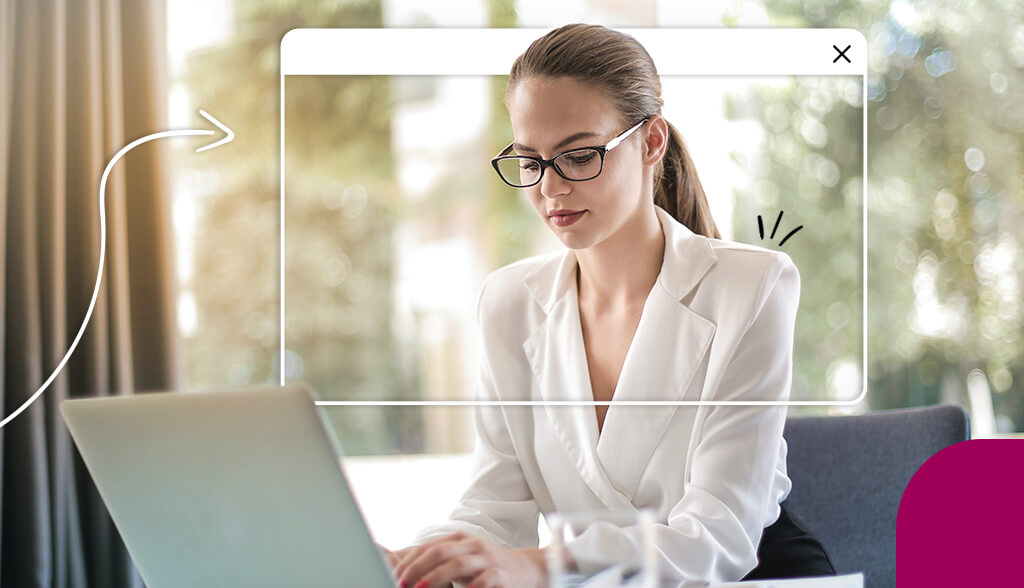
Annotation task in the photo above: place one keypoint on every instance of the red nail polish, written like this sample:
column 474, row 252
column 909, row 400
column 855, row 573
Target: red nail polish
column 421, row 584
column 403, row 584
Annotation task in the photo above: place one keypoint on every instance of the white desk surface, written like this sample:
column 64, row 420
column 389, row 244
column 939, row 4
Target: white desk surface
column 611, row 578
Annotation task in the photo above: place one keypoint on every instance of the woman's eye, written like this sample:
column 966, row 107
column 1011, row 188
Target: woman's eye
column 582, row 159
column 527, row 165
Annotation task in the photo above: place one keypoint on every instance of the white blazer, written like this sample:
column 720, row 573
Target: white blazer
column 717, row 325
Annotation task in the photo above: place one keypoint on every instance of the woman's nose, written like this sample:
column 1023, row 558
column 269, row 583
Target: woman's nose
column 552, row 184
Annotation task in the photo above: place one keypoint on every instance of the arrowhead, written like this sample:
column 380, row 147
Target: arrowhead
column 227, row 139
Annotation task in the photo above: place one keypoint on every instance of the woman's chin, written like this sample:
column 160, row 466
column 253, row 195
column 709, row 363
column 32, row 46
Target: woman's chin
column 573, row 241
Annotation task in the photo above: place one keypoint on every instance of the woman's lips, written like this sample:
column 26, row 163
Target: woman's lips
column 564, row 220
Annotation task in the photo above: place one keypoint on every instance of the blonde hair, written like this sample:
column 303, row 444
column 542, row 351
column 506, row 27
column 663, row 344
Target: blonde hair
column 618, row 65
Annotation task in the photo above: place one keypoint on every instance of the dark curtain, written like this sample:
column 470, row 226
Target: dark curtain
column 79, row 79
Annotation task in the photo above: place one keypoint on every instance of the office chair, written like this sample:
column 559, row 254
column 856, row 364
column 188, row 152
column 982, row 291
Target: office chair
column 849, row 473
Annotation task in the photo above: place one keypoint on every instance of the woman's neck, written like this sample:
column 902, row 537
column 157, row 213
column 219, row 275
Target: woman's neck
column 618, row 274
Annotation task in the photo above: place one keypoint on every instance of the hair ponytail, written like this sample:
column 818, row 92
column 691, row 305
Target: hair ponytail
column 618, row 65
column 678, row 190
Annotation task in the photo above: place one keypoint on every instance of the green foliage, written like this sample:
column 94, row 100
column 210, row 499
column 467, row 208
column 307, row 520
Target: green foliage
column 341, row 208
column 809, row 168
column 340, row 213
column 946, row 168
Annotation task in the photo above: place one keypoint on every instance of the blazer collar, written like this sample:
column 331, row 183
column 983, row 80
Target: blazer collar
column 687, row 258
column 662, row 360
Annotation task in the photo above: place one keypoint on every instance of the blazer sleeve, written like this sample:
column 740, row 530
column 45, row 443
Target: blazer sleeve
column 498, row 504
column 713, row 532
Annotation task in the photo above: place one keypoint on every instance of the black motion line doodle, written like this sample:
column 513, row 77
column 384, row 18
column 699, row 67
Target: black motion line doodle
column 760, row 229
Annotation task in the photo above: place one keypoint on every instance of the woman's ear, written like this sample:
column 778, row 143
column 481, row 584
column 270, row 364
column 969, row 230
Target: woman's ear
column 655, row 140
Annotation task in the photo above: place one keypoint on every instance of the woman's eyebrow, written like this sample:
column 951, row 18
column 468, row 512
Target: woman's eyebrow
column 562, row 143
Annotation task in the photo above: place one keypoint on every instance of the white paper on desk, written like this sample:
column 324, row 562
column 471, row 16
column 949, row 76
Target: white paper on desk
column 612, row 578
column 844, row 581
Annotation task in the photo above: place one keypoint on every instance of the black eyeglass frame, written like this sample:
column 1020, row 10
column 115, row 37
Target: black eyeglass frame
column 545, row 163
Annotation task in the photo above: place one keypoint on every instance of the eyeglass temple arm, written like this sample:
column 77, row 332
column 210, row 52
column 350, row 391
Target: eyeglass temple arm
column 615, row 142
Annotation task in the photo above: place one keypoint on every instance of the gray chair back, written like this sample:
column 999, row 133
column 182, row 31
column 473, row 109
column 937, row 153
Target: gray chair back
column 849, row 473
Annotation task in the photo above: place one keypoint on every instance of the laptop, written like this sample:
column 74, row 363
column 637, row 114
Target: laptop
column 235, row 488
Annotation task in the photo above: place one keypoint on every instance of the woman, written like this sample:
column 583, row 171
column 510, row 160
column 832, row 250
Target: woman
column 646, row 303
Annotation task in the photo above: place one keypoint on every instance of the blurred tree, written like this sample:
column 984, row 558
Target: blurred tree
column 809, row 174
column 342, row 205
column 510, row 218
column 509, row 224
column 340, row 217
column 945, row 192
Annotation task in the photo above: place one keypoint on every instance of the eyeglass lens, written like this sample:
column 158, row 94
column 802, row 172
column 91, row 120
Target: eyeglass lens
column 582, row 164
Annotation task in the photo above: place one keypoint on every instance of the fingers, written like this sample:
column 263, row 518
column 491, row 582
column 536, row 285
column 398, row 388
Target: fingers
column 394, row 559
column 424, row 559
column 409, row 554
column 461, row 569
column 416, row 567
column 489, row 579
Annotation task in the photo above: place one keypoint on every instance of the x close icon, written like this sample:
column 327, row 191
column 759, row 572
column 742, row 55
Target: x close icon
column 842, row 53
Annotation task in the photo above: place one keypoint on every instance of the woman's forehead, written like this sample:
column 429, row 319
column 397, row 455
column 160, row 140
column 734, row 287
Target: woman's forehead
column 544, row 111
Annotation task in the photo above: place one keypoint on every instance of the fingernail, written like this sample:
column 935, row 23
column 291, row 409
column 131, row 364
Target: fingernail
column 403, row 583
column 421, row 584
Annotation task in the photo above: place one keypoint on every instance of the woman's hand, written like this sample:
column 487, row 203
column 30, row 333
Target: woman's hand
column 394, row 557
column 470, row 561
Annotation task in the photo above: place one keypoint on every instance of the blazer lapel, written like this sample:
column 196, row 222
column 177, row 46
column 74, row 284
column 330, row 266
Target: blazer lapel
column 558, row 360
column 665, row 354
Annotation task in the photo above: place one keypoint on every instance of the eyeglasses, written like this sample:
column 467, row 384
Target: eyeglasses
column 576, row 165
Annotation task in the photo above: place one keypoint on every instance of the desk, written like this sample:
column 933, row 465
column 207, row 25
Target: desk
column 611, row 578
column 844, row 581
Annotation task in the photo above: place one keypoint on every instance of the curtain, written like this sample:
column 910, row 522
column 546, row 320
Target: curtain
column 79, row 79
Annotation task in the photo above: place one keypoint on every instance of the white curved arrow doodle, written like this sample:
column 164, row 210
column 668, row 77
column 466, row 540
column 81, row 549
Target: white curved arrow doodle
column 103, row 240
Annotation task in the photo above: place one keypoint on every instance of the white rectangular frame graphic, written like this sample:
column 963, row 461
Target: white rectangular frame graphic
column 676, row 51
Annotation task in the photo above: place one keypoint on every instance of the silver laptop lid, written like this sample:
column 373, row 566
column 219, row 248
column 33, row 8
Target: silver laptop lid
column 236, row 488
